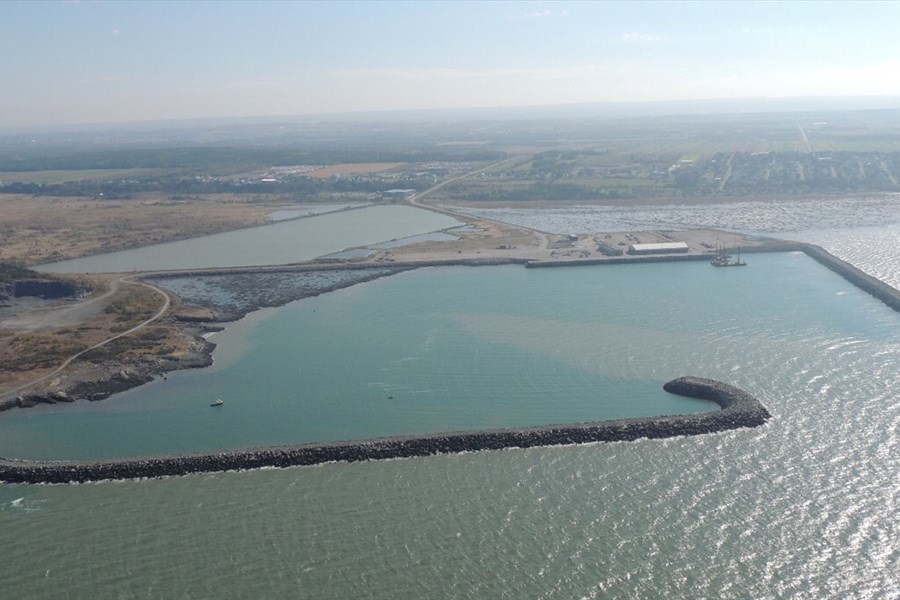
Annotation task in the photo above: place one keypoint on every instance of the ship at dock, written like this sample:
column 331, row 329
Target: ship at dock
column 723, row 259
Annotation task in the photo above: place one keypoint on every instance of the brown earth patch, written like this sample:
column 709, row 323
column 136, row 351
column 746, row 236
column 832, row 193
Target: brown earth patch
column 39, row 229
column 160, row 346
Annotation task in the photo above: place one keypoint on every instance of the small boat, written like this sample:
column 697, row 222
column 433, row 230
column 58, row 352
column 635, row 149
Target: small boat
column 218, row 402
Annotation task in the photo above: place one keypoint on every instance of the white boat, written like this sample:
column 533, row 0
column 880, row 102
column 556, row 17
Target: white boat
column 218, row 402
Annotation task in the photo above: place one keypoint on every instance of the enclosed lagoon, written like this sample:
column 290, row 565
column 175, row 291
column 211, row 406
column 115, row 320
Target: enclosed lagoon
column 282, row 242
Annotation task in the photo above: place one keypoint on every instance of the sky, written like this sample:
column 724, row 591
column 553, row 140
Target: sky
column 97, row 62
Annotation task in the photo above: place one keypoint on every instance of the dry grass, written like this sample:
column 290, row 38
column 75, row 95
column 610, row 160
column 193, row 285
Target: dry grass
column 42, row 229
column 30, row 354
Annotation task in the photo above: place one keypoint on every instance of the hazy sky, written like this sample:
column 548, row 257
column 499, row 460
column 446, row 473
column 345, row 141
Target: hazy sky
column 77, row 62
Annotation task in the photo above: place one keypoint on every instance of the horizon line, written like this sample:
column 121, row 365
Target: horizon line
column 518, row 109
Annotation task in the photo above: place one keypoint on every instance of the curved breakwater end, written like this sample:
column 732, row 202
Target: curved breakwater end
column 739, row 409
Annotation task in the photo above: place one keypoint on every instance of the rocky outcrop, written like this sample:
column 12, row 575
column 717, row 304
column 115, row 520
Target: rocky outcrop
column 46, row 289
column 739, row 409
column 115, row 377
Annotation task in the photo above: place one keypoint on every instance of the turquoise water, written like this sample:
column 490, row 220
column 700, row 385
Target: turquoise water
column 804, row 507
column 279, row 243
column 420, row 352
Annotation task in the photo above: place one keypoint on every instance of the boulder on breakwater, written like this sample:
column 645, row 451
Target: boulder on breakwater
column 739, row 409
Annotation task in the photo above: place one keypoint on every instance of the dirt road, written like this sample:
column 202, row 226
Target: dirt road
column 88, row 306
column 65, row 314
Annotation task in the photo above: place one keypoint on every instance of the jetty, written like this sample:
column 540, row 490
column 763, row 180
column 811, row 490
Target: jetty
column 738, row 410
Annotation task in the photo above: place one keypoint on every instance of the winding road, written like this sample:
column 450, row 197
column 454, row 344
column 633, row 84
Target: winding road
column 113, row 288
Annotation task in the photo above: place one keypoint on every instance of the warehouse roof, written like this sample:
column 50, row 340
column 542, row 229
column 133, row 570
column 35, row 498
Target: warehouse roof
column 662, row 247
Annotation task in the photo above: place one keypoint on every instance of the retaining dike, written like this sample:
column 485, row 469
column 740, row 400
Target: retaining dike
column 616, row 260
column 334, row 266
column 739, row 409
column 864, row 281
column 867, row 283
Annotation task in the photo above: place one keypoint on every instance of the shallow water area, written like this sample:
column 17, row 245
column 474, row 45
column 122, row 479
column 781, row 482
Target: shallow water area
column 282, row 242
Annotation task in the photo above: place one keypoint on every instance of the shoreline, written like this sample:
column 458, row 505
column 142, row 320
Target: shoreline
column 738, row 410
column 125, row 377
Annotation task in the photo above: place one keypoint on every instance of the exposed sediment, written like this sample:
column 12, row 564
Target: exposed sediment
column 231, row 293
column 739, row 409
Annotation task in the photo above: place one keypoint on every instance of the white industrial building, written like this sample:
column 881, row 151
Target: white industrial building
column 662, row 248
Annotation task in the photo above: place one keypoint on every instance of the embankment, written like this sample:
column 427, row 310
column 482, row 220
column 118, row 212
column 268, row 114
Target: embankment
column 863, row 281
column 739, row 409
column 250, row 288
column 858, row 278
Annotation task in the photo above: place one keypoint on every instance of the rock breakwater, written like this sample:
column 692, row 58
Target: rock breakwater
column 857, row 277
column 739, row 409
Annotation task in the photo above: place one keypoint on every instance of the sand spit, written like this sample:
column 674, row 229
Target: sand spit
column 739, row 410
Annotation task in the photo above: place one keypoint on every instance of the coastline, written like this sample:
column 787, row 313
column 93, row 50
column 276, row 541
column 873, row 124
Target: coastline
column 118, row 378
column 738, row 410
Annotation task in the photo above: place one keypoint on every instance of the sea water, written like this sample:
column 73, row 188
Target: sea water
column 805, row 507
